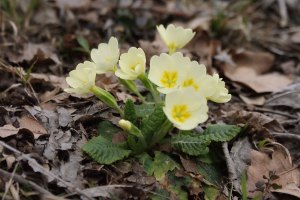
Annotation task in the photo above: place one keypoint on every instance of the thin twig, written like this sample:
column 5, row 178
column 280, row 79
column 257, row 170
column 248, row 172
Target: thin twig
column 231, row 167
column 24, row 182
column 287, row 171
column 283, row 13
column 287, row 136
column 43, row 170
column 10, row 181
column 275, row 112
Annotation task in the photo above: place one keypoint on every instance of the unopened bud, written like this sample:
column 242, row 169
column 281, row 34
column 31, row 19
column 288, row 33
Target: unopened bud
column 125, row 124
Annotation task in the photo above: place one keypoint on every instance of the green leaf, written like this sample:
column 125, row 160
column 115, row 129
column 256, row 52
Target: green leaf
column 104, row 151
column 144, row 110
column 147, row 163
column 83, row 43
column 129, row 112
column 160, row 194
column 153, row 123
column 221, row 132
column 159, row 166
column 191, row 145
column 211, row 193
column 212, row 173
column 135, row 143
column 107, row 130
column 244, row 186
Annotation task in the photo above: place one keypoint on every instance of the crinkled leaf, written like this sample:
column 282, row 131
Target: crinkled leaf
column 160, row 194
column 144, row 110
column 147, row 163
column 159, row 166
column 104, row 151
column 135, row 144
column 191, row 145
column 211, row 172
column 129, row 112
column 221, row 132
column 154, row 122
column 107, row 129
column 211, row 193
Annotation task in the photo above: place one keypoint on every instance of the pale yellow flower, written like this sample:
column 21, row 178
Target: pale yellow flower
column 220, row 94
column 186, row 108
column 82, row 79
column 106, row 56
column 197, row 78
column 175, row 37
column 132, row 64
column 168, row 71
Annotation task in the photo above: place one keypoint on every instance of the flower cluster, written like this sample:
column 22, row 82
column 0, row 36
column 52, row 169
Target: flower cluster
column 183, row 84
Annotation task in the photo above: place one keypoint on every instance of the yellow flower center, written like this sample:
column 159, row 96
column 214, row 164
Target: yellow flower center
column 180, row 113
column 169, row 79
column 190, row 82
column 132, row 67
column 172, row 48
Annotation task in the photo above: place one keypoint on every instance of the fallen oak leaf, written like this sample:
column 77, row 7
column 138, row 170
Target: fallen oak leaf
column 271, row 82
column 262, row 164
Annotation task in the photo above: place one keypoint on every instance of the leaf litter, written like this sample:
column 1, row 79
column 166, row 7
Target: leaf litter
column 257, row 55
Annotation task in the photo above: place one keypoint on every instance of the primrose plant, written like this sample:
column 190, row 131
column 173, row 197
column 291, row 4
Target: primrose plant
column 179, row 88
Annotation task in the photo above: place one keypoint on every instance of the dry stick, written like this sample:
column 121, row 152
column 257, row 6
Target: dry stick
column 23, row 181
column 287, row 135
column 10, row 181
column 43, row 170
column 231, row 168
column 275, row 112
column 287, row 171
column 283, row 13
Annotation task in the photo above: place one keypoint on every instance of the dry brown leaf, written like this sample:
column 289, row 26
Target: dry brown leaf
column 290, row 189
column 8, row 130
column 271, row 82
column 10, row 160
column 54, row 80
column 289, row 97
column 261, row 62
column 257, row 122
column 260, row 100
column 38, row 51
column 189, row 165
column 104, row 191
column 203, row 46
column 262, row 164
column 155, row 47
column 34, row 126
column 202, row 22
column 46, row 15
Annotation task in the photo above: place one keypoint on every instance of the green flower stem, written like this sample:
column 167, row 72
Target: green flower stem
column 161, row 133
column 131, row 86
column 106, row 98
column 147, row 83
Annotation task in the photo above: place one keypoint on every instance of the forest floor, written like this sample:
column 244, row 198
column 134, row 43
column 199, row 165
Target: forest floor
column 253, row 45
